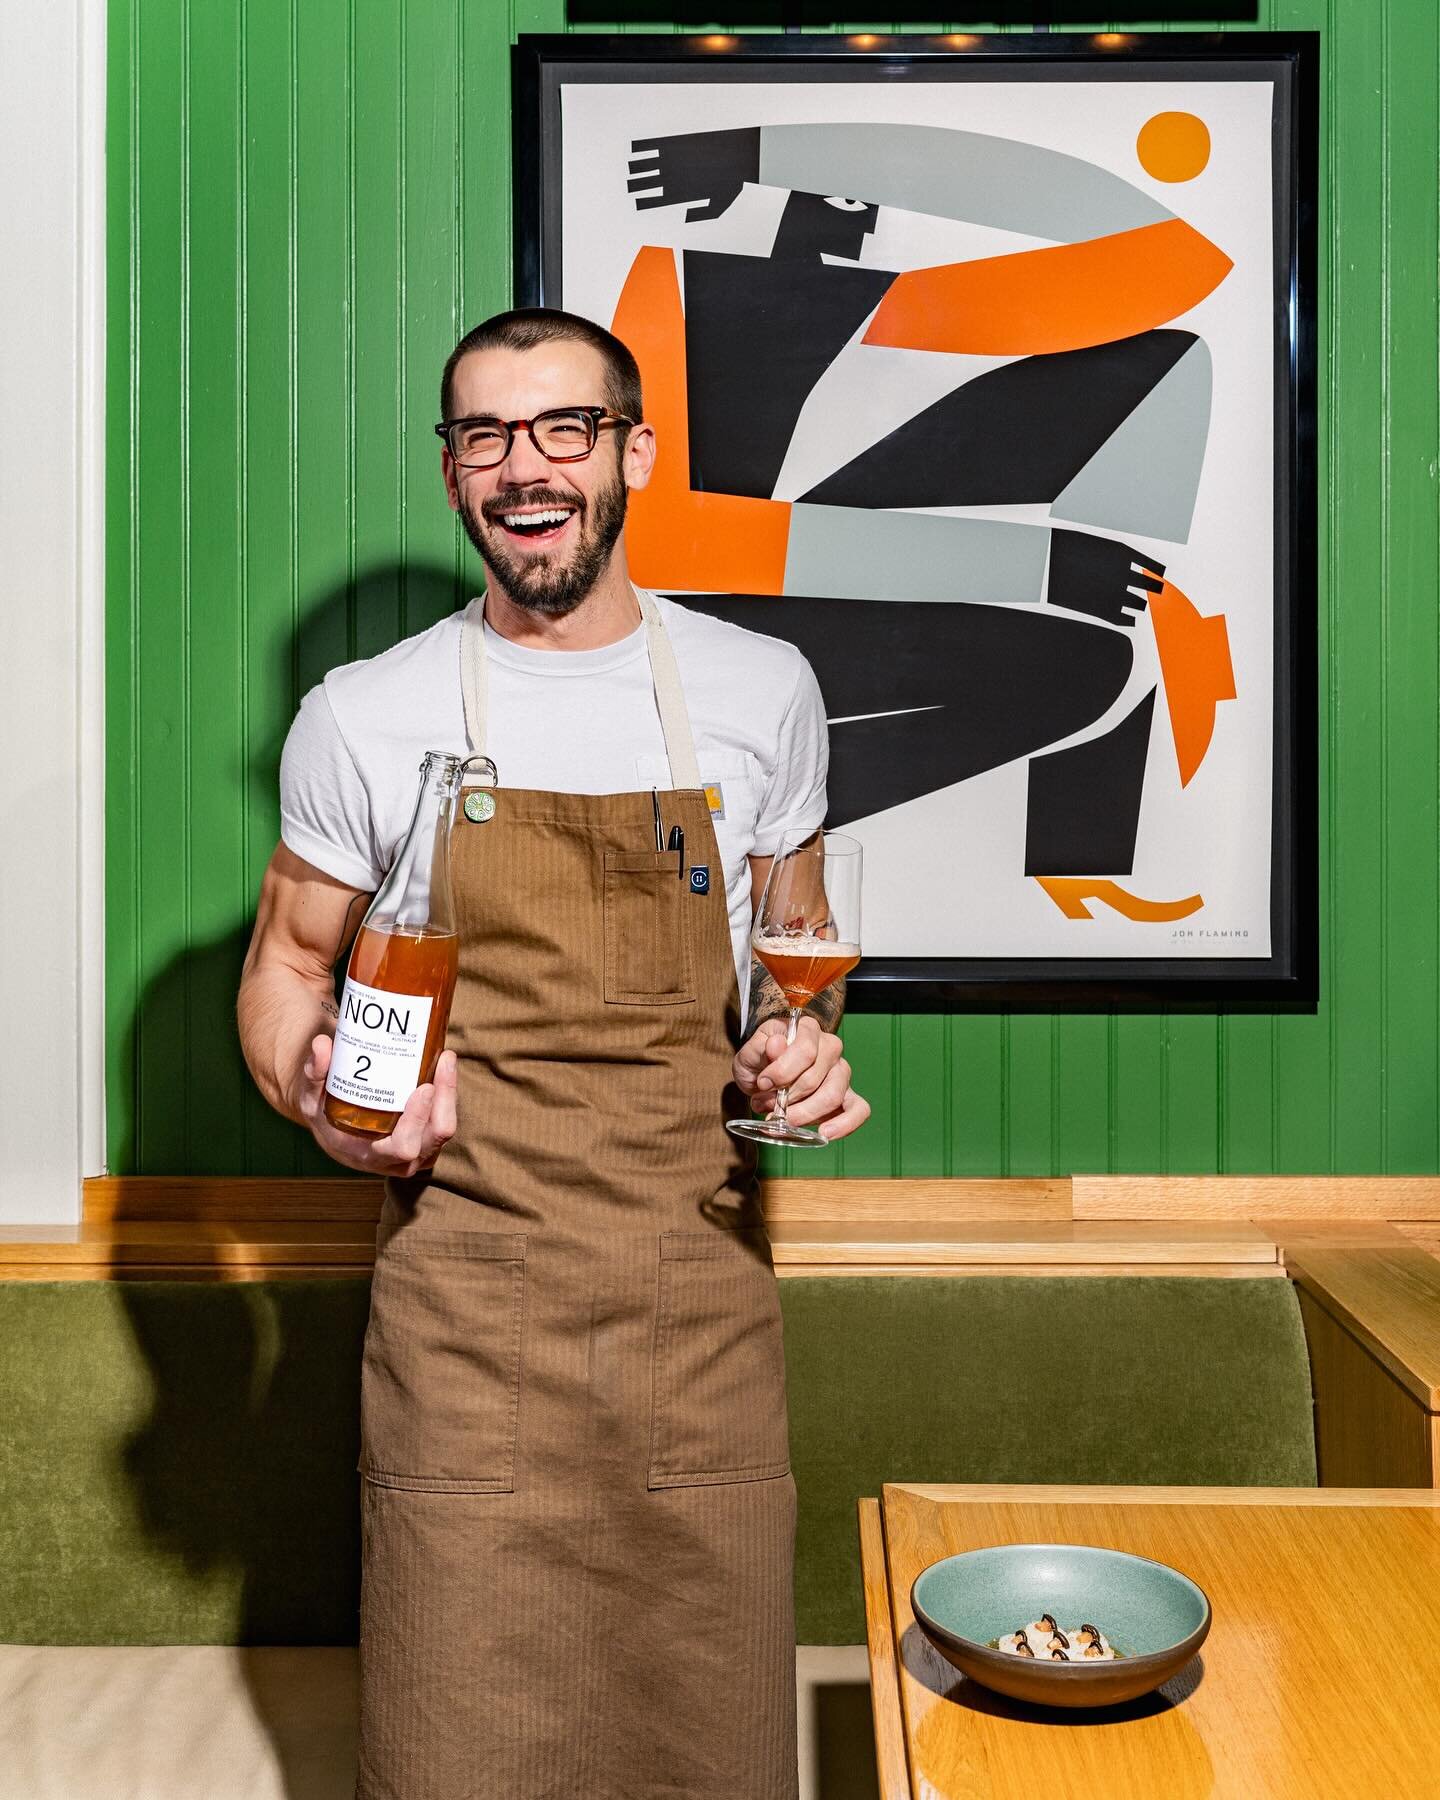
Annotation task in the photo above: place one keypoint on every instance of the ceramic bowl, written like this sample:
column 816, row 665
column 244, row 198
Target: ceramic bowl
column 1152, row 1613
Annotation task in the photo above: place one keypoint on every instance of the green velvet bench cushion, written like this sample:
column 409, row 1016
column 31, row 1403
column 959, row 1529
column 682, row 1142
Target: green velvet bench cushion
column 1083, row 1379
column 177, row 1459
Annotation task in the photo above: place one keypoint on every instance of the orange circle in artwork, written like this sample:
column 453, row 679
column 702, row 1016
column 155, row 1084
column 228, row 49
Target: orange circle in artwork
column 1173, row 146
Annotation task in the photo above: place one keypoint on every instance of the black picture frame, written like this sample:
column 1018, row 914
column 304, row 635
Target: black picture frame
column 1288, row 979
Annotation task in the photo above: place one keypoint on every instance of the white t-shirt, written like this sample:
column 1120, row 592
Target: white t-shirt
column 567, row 721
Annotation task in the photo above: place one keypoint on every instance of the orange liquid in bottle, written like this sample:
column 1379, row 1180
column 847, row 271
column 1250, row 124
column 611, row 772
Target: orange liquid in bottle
column 419, row 963
column 803, row 971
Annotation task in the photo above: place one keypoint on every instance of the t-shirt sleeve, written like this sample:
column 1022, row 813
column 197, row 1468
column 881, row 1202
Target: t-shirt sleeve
column 325, row 807
column 794, row 797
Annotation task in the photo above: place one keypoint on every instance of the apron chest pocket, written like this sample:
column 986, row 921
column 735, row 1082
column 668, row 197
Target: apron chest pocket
column 440, row 1387
column 718, row 1381
column 647, row 947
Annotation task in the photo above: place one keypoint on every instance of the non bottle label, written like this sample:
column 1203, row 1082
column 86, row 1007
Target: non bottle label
column 379, row 1043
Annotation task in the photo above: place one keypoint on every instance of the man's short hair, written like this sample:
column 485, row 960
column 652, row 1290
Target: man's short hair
column 529, row 326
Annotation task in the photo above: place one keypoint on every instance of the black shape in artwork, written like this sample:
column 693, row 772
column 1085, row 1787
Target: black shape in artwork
column 758, row 336
column 814, row 225
column 964, row 688
column 1014, row 435
column 1092, row 574
column 1085, row 802
column 704, row 170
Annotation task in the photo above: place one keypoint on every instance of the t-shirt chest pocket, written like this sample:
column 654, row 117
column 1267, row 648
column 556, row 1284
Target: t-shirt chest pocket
column 732, row 787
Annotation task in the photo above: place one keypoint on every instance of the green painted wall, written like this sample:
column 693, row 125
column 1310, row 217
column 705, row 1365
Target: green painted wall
column 308, row 202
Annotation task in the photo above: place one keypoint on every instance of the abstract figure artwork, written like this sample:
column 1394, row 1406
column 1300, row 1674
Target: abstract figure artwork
column 950, row 392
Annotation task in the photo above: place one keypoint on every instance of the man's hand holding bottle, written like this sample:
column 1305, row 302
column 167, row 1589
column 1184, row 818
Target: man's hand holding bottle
column 424, row 1128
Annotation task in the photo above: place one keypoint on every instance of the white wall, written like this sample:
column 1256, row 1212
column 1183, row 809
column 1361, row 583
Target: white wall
column 52, row 272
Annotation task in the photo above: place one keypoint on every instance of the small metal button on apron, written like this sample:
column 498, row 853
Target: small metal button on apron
column 479, row 806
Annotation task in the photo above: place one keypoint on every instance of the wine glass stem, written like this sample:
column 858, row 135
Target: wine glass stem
column 782, row 1099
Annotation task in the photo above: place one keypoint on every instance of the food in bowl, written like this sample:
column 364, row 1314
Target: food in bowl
column 965, row 1603
column 1043, row 1639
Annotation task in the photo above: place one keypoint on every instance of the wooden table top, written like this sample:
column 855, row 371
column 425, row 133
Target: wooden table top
column 1253, row 1715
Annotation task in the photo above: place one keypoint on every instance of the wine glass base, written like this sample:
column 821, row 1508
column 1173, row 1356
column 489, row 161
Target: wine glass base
column 770, row 1131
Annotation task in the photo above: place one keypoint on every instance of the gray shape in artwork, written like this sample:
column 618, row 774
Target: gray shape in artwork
column 843, row 553
column 965, row 175
column 1144, row 477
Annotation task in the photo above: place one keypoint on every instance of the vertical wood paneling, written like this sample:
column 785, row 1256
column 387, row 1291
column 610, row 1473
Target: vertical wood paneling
column 977, row 1094
column 123, row 963
column 1247, row 1129
column 1138, row 1071
column 1410, row 332
column 160, row 791
column 266, row 482
column 1192, row 1104
column 308, row 202
column 870, row 1042
column 1030, row 1096
column 1361, row 600
column 378, row 335
column 920, row 1147
column 1081, row 1095
column 215, row 876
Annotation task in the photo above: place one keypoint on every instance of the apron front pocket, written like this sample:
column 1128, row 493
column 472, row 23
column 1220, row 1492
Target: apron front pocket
column 647, row 949
column 440, row 1386
column 718, row 1381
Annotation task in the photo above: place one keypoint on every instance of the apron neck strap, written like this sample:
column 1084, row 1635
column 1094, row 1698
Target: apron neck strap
column 664, row 673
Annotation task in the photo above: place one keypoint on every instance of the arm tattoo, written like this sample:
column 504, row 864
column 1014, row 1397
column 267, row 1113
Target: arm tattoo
column 767, row 1002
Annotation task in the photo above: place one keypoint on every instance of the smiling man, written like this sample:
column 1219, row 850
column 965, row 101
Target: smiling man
column 578, row 1514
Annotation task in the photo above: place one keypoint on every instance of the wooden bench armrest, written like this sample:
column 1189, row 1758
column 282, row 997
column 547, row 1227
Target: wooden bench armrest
column 1388, row 1299
column 1372, row 1322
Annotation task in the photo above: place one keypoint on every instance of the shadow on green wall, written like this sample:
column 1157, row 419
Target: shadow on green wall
column 182, row 1102
column 242, row 1479
column 243, row 1473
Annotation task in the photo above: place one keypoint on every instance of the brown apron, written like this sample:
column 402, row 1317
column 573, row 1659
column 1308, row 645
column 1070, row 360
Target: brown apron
column 578, row 1515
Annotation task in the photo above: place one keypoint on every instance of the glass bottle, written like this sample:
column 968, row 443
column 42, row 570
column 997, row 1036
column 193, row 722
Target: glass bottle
column 400, row 979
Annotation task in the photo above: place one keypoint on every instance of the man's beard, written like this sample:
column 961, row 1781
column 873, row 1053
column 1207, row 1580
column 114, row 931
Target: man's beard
column 537, row 581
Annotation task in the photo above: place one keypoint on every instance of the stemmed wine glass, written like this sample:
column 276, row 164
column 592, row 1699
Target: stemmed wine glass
column 807, row 935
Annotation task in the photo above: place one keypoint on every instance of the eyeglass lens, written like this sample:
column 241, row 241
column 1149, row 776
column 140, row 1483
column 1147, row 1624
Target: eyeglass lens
column 560, row 436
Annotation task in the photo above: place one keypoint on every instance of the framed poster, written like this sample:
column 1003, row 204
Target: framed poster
column 982, row 369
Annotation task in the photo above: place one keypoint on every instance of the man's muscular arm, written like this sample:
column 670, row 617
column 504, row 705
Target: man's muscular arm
column 303, row 925
column 287, row 1015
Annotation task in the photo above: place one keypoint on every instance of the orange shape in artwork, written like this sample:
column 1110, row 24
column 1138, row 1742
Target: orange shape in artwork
column 1070, row 892
column 1065, row 298
column 1198, row 673
column 730, row 543
column 1173, row 146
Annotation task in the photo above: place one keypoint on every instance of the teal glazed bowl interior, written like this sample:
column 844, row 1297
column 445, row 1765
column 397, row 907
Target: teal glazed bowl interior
column 1152, row 1613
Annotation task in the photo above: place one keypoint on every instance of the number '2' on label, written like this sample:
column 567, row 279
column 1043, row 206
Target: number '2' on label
column 379, row 1043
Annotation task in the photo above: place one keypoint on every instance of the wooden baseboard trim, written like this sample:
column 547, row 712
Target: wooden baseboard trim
column 183, row 1271
column 1256, row 1196
column 239, row 1198
column 1413, row 1201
